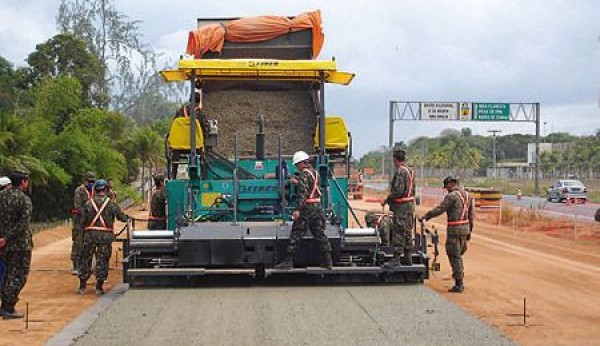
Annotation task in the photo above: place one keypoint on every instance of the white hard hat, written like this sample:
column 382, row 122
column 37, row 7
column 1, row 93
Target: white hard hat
column 4, row 181
column 299, row 156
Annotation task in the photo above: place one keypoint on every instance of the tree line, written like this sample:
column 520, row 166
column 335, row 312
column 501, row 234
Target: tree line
column 82, row 103
column 463, row 153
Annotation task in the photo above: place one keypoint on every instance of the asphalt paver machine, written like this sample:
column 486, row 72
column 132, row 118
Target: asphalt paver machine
column 229, row 213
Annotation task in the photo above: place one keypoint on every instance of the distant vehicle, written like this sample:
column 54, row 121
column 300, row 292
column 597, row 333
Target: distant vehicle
column 567, row 189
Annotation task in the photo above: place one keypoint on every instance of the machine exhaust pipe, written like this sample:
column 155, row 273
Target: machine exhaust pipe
column 260, row 138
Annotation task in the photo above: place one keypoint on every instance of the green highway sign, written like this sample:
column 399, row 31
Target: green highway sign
column 491, row 111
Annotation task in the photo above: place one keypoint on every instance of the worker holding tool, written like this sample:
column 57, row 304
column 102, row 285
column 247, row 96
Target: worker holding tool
column 402, row 203
column 83, row 193
column 460, row 207
column 158, row 205
column 308, row 214
column 98, row 216
column 15, row 241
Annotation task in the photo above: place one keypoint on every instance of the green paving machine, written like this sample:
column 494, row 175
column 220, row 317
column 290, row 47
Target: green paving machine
column 229, row 161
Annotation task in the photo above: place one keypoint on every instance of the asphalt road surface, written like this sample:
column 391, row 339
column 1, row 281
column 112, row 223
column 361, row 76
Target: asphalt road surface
column 583, row 211
column 294, row 315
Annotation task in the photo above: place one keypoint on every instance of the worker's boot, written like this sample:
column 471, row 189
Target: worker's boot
column 99, row 288
column 81, row 289
column 396, row 261
column 9, row 312
column 12, row 314
column 287, row 263
column 407, row 258
column 458, row 287
column 326, row 261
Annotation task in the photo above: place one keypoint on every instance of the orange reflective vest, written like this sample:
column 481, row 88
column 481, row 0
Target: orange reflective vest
column 92, row 226
column 315, row 193
column 464, row 215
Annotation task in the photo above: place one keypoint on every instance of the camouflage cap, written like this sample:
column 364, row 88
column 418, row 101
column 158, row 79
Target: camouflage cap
column 449, row 179
column 18, row 174
column 89, row 175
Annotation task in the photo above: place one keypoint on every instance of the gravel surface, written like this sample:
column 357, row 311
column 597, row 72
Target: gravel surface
column 297, row 315
column 286, row 112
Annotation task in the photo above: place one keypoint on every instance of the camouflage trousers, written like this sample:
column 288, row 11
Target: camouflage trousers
column 17, row 268
column 311, row 219
column 401, row 235
column 456, row 246
column 100, row 244
column 77, row 234
column 385, row 230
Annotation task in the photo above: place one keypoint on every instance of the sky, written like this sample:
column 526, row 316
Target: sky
column 545, row 51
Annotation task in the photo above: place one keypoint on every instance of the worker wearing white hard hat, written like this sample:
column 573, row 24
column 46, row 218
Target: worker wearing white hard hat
column 5, row 183
column 308, row 214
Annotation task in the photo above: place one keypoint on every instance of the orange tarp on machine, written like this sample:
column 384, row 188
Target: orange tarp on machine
column 210, row 38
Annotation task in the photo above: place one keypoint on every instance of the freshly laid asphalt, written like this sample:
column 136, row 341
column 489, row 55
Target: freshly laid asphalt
column 288, row 315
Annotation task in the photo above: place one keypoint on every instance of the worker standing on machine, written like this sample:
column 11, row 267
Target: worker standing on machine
column 308, row 214
column 158, row 205
column 83, row 193
column 402, row 203
column 460, row 207
column 98, row 215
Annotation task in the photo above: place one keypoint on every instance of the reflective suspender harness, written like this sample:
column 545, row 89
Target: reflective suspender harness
column 98, row 217
column 411, row 181
column 90, row 195
column 315, row 193
column 464, row 215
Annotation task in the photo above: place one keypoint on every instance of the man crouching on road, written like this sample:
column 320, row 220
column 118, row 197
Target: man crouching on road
column 98, row 217
column 460, row 208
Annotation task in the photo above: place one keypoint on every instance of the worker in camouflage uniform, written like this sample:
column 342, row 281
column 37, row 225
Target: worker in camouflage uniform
column 158, row 205
column 111, row 191
column 98, row 217
column 402, row 203
column 83, row 193
column 383, row 224
column 460, row 207
column 5, row 183
column 308, row 214
column 16, row 240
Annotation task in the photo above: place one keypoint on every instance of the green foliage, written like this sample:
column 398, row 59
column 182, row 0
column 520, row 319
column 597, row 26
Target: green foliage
column 57, row 100
column 65, row 55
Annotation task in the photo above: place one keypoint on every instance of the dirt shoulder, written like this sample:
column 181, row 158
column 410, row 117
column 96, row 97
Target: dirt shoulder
column 559, row 279
column 50, row 289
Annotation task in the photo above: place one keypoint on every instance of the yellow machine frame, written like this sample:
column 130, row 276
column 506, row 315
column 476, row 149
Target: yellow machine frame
column 258, row 69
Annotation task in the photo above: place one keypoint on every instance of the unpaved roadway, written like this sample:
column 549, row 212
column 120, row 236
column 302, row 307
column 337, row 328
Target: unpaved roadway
column 559, row 279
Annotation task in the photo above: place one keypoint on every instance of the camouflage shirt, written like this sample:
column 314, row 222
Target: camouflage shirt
column 15, row 215
column 109, row 213
column 453, row 206
column 82, row 195
column 158, row 203
column 305, row 186
column 402, row 187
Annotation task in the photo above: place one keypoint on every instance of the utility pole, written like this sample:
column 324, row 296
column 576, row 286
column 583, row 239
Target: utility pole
column 494, row 151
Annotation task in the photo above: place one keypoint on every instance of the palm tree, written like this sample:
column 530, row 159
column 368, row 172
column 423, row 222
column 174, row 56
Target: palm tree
column 148, row 146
